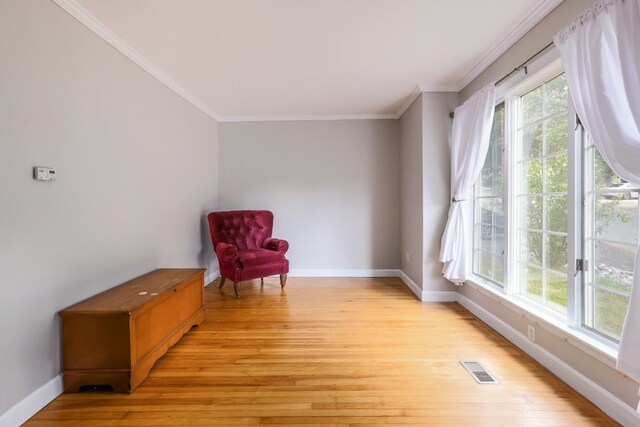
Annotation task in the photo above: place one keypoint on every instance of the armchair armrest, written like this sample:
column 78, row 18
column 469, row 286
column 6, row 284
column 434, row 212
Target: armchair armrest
column 227, row 253
column 274, row 244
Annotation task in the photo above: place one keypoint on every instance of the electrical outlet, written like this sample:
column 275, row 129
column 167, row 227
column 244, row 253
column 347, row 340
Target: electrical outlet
column 407, row 256
column 531, row 333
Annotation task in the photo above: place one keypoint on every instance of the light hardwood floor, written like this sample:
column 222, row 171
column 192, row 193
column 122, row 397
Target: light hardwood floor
column 333, row 352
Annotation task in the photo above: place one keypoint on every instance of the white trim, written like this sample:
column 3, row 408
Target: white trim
column 344, row 273
column 439, row 296
column 415, row 93
column 427, row 296
column 410, row 284
column 424, row 88
column 102, row 31
column 30, row 405
column 439, row 87
column 532, row 19
column 307, row 117
column 213, row 275
column 610, row 404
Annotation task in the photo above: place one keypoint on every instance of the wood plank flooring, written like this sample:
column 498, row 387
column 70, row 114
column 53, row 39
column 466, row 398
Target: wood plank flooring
column 329, row 351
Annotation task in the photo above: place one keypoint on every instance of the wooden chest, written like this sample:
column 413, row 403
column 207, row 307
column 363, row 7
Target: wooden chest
column 115, row 337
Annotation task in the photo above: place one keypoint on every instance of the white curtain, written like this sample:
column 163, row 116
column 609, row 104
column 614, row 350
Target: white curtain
column 469, row 144
column 601, row 56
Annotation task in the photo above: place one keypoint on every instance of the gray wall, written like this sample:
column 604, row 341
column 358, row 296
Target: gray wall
column 332, row 186
column 533, row 41
column 436, row 183
column 425, row 187
column 411, row 232
column 137, row 169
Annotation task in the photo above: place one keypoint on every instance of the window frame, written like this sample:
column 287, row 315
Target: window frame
column 543, row 69
column 513, row 95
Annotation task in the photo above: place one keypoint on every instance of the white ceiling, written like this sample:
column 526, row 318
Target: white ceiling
column 276, row 59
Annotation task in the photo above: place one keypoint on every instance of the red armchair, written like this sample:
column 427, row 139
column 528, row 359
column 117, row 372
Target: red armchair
column 245, row 249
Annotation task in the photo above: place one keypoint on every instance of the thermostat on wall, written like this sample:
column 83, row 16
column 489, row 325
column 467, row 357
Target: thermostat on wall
column 41, row 173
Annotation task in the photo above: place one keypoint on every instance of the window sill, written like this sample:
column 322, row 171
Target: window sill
column 577, row 338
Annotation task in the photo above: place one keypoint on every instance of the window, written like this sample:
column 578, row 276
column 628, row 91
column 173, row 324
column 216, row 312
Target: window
column 541, row 196
column 488, row 260
column 554, row 226
column 611, row 237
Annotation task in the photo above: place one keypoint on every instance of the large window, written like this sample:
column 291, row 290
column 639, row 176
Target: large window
column 488, row 259
column 541, row 196
column 554, row 226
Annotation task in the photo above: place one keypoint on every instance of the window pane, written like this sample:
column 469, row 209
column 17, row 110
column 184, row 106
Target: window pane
column 532, row 176
column 498, row 269
column 531, row 247
column 611, row 233
column 486, row 182
column 616, row 219
column 557, row 131
column 610, row 310
column 531, row 212
column 556, row 252
column 615, row 266
column 556, row 287
column 555, row 97
column 484, row 263
column 556, row 173
column 603, row 174
column 557, row 213
column 532, row 141
column 532, row 279
column 488, row 213
column 532, row 106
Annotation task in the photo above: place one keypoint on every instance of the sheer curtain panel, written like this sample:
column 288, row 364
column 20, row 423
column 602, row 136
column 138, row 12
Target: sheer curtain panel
column 469, row 143
column 601, row 55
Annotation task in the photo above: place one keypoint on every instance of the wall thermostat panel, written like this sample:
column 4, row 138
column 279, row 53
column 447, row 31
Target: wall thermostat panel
column 41, row 173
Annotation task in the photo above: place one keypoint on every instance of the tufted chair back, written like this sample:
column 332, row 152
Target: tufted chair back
column 245, row 229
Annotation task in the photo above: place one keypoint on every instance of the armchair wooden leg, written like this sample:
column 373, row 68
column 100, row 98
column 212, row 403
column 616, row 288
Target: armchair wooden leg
column 283, row 280
column 222, row 279
column 261, row 281
column 236, row 289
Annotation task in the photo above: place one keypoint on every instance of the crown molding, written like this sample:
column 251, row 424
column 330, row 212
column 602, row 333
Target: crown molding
column 425, row 88
column 439, row 87
column 102, row 31
column 415, row 93
column 542, row 10
column 306, row 117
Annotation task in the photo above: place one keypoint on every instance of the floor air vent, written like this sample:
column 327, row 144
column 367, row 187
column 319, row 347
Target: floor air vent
column 479, row 373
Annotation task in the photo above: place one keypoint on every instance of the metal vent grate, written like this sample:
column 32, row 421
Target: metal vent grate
column 479, row 373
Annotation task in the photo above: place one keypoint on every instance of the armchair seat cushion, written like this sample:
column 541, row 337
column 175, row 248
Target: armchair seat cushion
column 255, row 257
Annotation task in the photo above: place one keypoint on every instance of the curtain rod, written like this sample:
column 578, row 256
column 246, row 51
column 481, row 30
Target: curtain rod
column 519, row 67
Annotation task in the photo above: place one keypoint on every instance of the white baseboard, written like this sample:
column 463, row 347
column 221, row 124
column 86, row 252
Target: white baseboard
column 439, row 296
column 610, row 404
column 428, row 296
column 213, row 275
column 344, row 273
column 411, row 284
column 31, row 404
